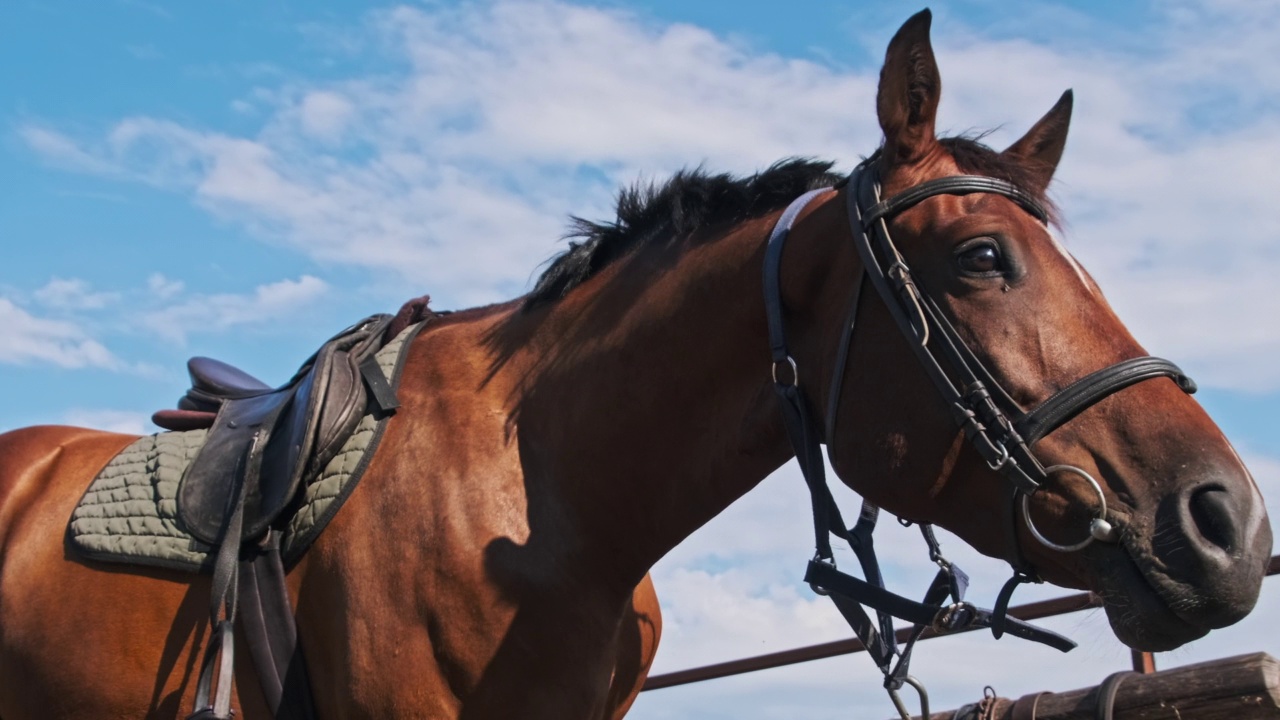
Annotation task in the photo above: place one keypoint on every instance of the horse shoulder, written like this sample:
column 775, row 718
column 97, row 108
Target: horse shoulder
column 435, row 549
column 404, row 559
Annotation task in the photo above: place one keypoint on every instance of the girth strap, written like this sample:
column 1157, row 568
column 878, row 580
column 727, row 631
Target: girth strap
column 271, row 633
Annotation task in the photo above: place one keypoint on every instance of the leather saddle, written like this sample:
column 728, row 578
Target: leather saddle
column 269, row 440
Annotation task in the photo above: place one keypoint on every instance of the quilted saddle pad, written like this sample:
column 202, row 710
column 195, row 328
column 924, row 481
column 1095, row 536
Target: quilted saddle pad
column 129, row 514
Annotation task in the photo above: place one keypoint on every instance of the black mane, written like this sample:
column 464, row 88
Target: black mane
column 691, row 200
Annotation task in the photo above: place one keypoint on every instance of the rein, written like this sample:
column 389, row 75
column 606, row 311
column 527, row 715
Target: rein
column 994, row 424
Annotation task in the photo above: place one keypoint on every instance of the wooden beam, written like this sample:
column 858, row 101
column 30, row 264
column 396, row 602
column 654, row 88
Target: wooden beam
column 1244, row 687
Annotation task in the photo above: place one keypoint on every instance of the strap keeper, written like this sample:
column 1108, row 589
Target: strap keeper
column 967, row 421
column 378, row 386
column 1000, row 613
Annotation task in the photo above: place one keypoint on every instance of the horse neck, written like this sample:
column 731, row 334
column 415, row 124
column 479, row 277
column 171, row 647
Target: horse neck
column 646, row 406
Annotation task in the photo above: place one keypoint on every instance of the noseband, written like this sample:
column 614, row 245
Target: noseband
column 994, row 425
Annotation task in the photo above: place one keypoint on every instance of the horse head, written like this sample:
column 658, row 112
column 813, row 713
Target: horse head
column 1184, row 541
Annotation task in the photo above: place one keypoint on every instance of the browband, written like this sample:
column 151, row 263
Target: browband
column 954, row 185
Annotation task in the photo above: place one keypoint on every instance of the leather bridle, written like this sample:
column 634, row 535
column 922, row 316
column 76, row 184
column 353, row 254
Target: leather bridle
column 995, row 426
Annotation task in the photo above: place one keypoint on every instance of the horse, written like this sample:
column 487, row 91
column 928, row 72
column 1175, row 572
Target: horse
column 549, row 450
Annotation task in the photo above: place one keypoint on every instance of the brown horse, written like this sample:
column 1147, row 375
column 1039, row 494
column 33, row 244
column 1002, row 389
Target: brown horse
column 492, row 563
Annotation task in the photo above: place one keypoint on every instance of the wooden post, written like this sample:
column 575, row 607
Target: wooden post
column 1245, row 687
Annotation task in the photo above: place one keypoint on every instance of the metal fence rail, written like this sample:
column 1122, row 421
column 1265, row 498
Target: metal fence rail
column 1143, row 662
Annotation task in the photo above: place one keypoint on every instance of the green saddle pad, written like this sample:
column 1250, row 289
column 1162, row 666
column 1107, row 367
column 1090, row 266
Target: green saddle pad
column 129, row 514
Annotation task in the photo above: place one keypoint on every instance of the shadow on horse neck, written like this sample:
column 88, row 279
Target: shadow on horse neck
column 642, row 403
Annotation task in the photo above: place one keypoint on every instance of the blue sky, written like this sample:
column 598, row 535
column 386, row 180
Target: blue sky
column 241, row 180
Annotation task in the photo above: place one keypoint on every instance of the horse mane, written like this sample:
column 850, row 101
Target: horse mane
column 652, row 214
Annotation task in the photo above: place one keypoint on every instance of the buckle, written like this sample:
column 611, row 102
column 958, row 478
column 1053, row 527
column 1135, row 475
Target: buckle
column 954, row 617
column 1001, row 461
column 816, row 588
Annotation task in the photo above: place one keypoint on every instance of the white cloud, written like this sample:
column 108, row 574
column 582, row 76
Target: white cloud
column 324, row 115
column 457, row 173
column 62, row 150
column 119, row 421
column 222, row 311
column 163, row 287
column 470, row 163
column 73, row 294
column 26, row 339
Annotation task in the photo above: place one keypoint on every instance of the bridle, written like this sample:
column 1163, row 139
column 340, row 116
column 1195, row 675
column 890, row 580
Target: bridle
column 995, row 426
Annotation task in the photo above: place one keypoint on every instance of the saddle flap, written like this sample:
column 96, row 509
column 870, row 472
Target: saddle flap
column 284, row 459
column 233, row 454
column 339, row 410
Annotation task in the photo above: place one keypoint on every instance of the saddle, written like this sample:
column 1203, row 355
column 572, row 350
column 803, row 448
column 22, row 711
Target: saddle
column 263, row 445
column 274, row 438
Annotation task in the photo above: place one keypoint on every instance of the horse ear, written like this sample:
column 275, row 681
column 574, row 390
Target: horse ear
column 1041, row 148
column 907, row 101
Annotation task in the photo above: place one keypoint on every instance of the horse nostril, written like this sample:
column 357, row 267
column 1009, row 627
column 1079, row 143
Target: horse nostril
column 1212, row 512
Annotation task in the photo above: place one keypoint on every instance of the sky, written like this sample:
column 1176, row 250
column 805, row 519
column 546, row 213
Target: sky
column 243, row 179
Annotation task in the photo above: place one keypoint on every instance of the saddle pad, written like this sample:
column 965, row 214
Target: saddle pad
column 129, row 514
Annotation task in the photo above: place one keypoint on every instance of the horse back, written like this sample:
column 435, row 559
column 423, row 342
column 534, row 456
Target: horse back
column 40, row 464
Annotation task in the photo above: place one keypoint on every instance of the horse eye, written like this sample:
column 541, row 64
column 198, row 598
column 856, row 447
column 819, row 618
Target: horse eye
column 982, row 259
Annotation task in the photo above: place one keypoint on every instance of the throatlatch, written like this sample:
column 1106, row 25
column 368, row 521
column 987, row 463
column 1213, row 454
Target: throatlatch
column 995, row 426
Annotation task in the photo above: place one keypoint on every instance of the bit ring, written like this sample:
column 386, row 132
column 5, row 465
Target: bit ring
column 1099, row 528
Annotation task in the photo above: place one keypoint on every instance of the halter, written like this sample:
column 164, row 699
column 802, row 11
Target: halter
column 994, row 424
